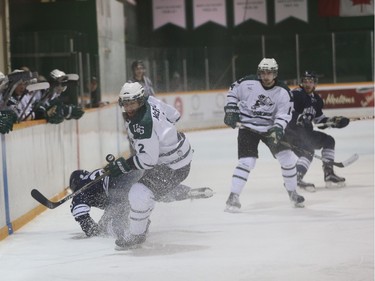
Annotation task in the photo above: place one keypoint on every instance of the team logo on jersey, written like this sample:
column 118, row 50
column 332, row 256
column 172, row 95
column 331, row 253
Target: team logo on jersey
column 138, row 129
column 155, row 111
column 262, row 101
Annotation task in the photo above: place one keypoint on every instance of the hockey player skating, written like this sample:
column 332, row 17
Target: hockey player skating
column 263, row 105
column 160, row 150
column 110, row 194
column 308, row 107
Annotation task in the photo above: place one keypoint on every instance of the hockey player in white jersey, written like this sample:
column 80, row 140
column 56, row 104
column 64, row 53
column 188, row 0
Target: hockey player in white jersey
column 262, row 105
column 160, row 150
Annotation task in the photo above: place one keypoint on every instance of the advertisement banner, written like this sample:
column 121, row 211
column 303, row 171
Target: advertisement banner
column 290, row 8
column 209, row 10
column 346, row 98
column 249, row 9
column 168, row 11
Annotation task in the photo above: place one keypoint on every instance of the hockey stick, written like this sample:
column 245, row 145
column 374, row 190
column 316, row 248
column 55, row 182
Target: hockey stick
column 52, row 205
column 32, row 88
column 329, row 124
column 342, row 164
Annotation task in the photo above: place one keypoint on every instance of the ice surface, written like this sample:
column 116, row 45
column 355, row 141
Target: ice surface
column 331, row 239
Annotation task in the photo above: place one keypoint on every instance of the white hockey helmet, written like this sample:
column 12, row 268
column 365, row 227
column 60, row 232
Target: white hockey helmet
column 268, row 64
column 131, row 92
column 58, row 76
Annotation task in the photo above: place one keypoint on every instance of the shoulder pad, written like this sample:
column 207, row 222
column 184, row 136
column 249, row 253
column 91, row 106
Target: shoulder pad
column 282, row 85
column 246, row 78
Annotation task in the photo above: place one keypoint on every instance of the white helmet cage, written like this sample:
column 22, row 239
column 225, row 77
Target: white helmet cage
column 268, row 64
column 131, row 92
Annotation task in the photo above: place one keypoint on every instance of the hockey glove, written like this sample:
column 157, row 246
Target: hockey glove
column 274, row 135
column 7, row 119
column 5, row 125
column 12, row 116
column 117, row 167
column 232, row 115
column 339, row 121
column 88, row 225
column 77, row 112
column 54, row 112
column 304, row 121
column 72, row 111
column 335, row 122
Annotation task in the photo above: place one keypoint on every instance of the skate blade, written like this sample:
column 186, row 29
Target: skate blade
column 119, row 248
column 335, row 184
column 199, row 194
column 232, row 209
column 309, row 188
column 298, row 205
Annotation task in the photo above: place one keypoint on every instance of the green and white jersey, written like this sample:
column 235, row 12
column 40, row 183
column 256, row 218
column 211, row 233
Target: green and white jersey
column 260, row 107
column 155, row 139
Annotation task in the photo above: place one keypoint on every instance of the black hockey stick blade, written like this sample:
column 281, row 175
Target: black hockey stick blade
column 43, row 200
column 52, row 205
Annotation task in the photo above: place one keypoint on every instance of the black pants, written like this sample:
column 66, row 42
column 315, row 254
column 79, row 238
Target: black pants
column 162, row 179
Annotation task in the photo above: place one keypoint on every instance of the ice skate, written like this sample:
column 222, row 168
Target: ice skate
column 331, row 179
column 129, row 242
column 310, row 187
column 233, row 203
column 198, row 193
column 296, row 199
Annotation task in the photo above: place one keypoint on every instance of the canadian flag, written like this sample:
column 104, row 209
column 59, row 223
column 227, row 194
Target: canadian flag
column 346, row 8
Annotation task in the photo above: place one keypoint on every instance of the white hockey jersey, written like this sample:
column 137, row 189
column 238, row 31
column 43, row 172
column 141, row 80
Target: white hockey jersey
column 261, row 108
column 155, row 139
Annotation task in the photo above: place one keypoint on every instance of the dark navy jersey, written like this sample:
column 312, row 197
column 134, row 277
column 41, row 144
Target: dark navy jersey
column 95, row 196
column 310, row 105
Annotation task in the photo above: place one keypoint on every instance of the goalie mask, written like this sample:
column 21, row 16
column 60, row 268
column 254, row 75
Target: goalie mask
column 131, row 97
column 76, row 179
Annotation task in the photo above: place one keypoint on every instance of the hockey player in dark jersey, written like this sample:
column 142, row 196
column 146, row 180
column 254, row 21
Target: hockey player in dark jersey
column 308, row 107
column 109, row 194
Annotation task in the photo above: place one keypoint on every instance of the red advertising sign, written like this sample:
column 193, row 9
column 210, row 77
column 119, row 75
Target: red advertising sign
column 344, row 98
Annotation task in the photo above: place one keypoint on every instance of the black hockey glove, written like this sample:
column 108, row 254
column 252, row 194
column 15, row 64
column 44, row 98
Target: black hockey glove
column 77, row 112
column 7, row 119
column 88, row 225
column 304, row 121
column 339, row 121
column 12, row 116
column 54, row 112
column 232, row 115
column 274, row 135
column 72, row 111
column 117, row 167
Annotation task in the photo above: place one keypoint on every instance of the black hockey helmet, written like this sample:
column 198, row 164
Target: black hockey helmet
column 308, row 74
column 75, row 181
